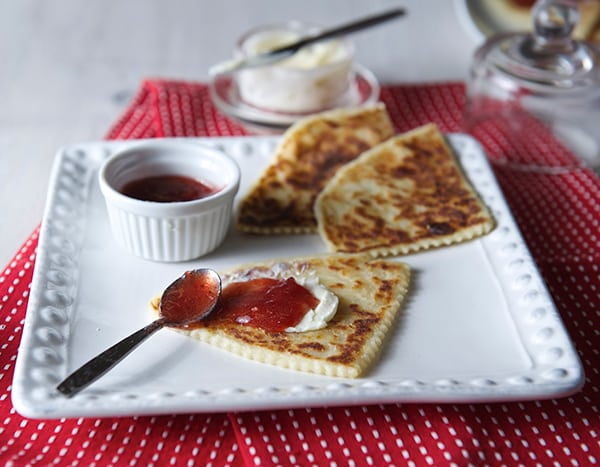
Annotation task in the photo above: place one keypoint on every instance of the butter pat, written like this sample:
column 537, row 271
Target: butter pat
column 312, row 56
column 316, row 78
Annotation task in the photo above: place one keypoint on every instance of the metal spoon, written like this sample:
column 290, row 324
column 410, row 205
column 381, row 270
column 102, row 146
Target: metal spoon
column 188, row 300
column 280, row 53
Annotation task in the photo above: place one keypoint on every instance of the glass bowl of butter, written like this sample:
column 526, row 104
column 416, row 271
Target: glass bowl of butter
column 319, row 77
column 315, row 78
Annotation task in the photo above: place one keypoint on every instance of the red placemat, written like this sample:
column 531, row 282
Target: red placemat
column 559, row 215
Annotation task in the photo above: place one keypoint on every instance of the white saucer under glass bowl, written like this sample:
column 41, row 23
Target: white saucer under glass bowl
column 538, row 94
column 363, row 90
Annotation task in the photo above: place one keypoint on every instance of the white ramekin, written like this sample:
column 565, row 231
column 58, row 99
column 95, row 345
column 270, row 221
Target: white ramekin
column 172, row 231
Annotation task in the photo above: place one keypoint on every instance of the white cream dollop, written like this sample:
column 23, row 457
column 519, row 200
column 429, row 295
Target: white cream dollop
column 326, row 309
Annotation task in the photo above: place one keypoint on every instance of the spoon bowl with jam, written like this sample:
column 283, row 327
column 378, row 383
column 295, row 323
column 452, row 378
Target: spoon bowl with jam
column 169, row 200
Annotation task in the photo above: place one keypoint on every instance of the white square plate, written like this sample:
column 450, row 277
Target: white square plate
column 479, row 324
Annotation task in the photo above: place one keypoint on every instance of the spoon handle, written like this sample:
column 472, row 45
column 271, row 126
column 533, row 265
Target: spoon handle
column 345, row 29
column 280, row 53
column 97, row 366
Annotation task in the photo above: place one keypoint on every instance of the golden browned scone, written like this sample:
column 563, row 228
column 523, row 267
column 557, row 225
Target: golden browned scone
column 370, row 293
column 405, row 195
column 310, row 152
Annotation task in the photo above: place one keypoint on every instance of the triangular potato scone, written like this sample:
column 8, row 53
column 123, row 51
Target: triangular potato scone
column 309, row 154
column 370, row 293
column 406, row 194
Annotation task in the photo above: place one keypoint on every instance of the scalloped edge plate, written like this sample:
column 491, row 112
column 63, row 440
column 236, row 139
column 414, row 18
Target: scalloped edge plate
column 479, row 324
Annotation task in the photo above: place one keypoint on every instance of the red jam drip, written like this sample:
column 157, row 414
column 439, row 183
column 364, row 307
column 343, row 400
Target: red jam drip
column 167, row 189
column 188, row 298
column 266, row 303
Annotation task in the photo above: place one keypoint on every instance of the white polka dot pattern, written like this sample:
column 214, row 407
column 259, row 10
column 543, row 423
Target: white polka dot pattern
column 193, row 439
column 558, row 213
